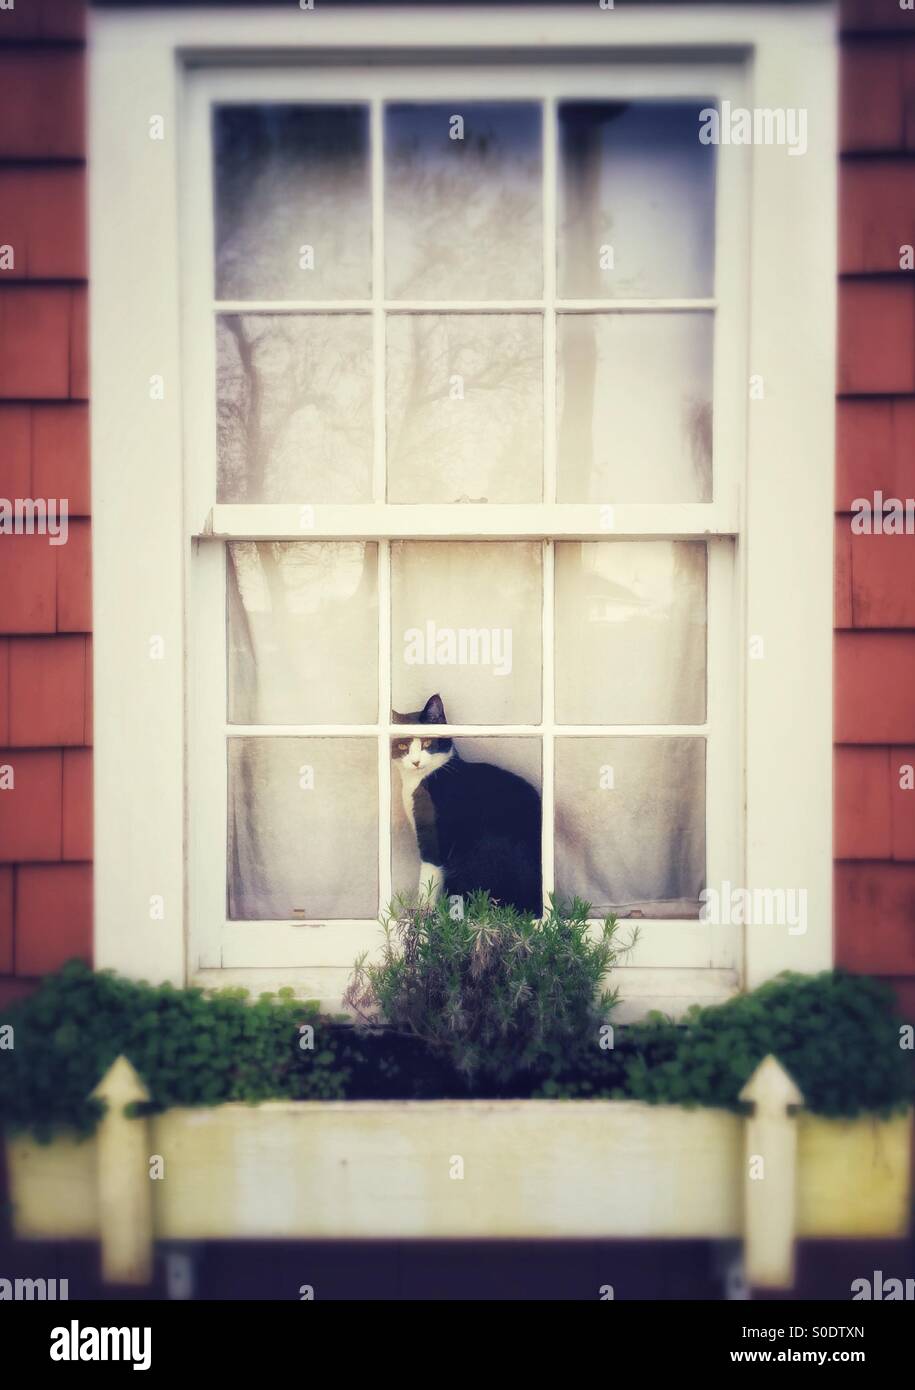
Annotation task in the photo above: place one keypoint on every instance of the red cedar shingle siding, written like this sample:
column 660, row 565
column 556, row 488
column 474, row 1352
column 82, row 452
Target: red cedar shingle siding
column 31, row 814
column 6, row 920
column 876, row 214
column 875, row 574
column 43, row 215
column 875, row 447
column 53, row 916
column 46, row 19
column 45, row 594
column 77, row 801
column 875, row 904
column 4, row 691
column 47, row 681
column 45, row 590
column 42, row 106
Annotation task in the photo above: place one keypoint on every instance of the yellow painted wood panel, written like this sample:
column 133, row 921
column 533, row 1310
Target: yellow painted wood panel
column 53, row 1189
column 855, row 1176
column 531, row 1168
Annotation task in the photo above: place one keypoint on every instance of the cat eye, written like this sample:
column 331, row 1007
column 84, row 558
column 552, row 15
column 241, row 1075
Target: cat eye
column 427, row 743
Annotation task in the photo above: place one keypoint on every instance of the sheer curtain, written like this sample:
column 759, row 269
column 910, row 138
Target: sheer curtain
column 630, row 824
column 302, row 832
column 303, row 812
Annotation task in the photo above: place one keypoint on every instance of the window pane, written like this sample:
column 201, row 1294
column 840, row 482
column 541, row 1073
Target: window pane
column 637, row 202
column 303, row 828
column 292, row 202
column 294, row 408
column 630, row 824
column 303, row 632
column 634, row 407
column 630, row 632
column 518, row 755
column 463, row 204
column 465, row 407
column 466, row 624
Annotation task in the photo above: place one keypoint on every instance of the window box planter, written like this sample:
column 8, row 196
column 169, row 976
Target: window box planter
column 466, row 1169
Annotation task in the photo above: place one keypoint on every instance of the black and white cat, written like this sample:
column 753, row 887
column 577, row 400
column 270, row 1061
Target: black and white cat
column 477, row 826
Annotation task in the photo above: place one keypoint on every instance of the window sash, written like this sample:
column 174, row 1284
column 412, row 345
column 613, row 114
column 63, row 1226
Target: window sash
column 544, row 83
column 468, row 521
column 314, row 943
column 222, row 944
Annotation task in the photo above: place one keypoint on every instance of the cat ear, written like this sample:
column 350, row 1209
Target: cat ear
column 434, row 711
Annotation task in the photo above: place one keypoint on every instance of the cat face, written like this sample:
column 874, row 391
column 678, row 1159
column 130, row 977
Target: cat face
column 417, row 757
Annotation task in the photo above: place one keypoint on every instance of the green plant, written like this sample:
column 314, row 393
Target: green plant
column 836, row 1034
column 537, row 1031
column 499, row 993
column 188, row 1047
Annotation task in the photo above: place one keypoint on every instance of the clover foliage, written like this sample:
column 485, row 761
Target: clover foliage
column 189, row 1048
column 836, row 1034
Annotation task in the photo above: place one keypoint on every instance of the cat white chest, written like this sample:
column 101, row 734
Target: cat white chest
column 413, row 777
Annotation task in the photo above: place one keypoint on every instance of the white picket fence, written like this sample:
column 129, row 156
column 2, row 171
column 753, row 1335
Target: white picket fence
column 466, row 1169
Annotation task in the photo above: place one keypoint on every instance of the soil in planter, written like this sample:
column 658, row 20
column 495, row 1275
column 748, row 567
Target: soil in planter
column 386, row 1065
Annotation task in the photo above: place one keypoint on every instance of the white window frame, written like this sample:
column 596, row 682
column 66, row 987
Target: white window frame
column 158, row 562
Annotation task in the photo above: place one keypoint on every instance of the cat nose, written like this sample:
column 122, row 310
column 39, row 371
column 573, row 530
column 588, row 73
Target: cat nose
column 416, row 762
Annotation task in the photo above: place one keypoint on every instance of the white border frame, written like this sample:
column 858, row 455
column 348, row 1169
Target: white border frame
column 138, row 64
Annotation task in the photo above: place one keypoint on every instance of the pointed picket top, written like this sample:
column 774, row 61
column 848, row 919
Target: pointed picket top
column 120, row 1086
column 771, row 1089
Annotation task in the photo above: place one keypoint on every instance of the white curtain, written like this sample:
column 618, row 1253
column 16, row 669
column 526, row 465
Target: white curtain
column 465, row 410
column 303, row 632
column 630, row 823
column 303, row 828
column 630, row 632
column 489, row 591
